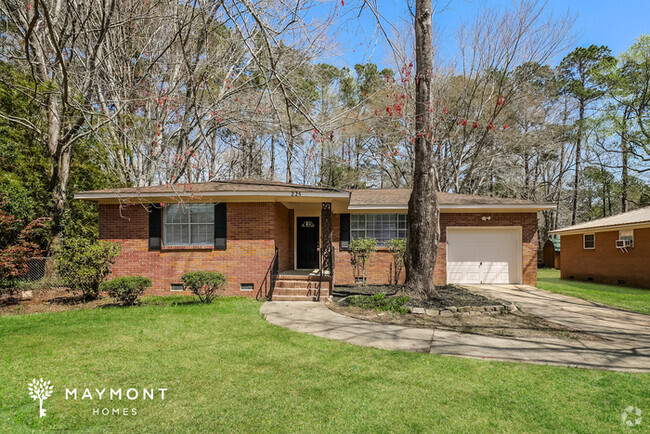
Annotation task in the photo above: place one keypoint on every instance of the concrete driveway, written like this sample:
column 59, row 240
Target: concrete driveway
column 617, row 325
column 627, row 348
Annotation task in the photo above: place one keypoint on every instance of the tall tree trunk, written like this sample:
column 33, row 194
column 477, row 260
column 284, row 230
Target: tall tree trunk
column 576, row 180
column 272, row 168
column 60, row 156
column 289, row 159
column 624, row 160
column 422, row 226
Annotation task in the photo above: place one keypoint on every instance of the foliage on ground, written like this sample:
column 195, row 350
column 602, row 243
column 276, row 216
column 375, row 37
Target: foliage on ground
column 379, row 302
column 624, row 297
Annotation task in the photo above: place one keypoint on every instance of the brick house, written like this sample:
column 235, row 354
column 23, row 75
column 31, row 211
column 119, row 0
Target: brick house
column 290, row 241
column 614, row 250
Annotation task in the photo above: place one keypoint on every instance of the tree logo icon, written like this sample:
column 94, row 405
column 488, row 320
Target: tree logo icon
column 41, row 390
column 631, row 416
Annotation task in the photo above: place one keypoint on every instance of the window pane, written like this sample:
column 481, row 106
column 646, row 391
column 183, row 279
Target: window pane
column 176, row 214
column 202, row 234
column 202, row 213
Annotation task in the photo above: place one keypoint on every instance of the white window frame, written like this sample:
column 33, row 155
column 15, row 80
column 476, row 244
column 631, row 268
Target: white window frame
column 626, row 234
column 584, row 238
column 186, row 211
column 355, row 229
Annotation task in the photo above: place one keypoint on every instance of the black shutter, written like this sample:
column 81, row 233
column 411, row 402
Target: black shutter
column 220, row 233
column 345, row 231
column 154, row 227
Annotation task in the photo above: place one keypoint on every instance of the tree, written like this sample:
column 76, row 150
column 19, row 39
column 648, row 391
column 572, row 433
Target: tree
column 44, row 38
column 423, row 225
column 578, row 71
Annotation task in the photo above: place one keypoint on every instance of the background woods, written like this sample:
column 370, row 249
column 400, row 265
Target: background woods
column 128, row 93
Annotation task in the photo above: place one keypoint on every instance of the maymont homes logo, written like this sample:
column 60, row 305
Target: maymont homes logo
column 41, row 390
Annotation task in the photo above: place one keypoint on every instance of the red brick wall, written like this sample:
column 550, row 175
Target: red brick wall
column 606, row 263
column 377, row 269
column 252, row 229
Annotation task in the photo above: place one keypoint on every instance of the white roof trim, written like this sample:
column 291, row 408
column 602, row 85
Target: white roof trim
column 591, row 230
column 294, row 193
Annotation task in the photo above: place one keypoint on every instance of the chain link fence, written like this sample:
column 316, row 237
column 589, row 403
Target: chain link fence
column 39, row 268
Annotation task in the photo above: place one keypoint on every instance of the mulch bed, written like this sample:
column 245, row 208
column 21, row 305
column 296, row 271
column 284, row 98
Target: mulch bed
column 47, row 300
column 448, row 295
column 511, row 324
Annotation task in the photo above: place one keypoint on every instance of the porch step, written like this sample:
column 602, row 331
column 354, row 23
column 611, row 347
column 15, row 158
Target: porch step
column 301, row 288
column 296, row 298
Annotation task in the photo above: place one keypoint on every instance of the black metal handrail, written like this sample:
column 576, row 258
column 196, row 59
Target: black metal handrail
column 268, row 284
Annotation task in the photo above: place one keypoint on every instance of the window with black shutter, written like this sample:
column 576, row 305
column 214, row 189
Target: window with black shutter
column 220, row 226
column 345, row 231
column 154, row 227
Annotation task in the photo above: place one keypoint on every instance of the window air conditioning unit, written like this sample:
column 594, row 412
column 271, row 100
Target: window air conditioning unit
column 623, row 244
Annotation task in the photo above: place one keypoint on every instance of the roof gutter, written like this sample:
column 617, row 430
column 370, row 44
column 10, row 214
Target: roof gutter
column 589, row 230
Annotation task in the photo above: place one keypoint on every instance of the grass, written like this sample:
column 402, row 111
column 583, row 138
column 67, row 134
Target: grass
column 634, row 299
column 226, row 369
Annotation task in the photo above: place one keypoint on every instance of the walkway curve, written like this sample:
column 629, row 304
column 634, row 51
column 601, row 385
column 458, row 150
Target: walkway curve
column 316, row 319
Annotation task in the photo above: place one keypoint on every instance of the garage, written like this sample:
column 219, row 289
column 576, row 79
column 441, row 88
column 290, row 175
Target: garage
column 484, row 255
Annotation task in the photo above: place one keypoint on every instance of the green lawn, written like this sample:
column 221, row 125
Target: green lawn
column 225, row 368
column 635, row 299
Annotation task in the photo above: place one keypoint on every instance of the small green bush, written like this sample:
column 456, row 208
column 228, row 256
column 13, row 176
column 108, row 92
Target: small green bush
column 379, row 302
column 361, row 250
column 126, row 289
column 83, row 264
column 397, row 246
column 204, row 284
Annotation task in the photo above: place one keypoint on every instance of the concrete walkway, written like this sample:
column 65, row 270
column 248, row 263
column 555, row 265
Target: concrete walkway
column 627, row 348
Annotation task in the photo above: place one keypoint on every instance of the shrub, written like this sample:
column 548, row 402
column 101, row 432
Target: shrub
column 83, row 264
column 18, row 243
column 397, row 246
column 361, row 250
column 204, row 284
column 126, row 289
column 379, row 302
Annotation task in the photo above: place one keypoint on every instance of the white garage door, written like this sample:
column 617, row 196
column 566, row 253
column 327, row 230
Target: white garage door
column 483, row 255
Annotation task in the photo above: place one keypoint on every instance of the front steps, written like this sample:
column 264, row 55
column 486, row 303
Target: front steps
column 292, row 287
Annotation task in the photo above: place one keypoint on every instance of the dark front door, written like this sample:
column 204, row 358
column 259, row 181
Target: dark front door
column 307, row 242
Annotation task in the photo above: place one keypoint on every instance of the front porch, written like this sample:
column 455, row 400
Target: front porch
column 305, row 269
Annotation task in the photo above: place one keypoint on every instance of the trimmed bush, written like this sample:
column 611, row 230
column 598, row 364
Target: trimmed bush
column 126, row 289
column 397, row 247
column 204, row 284
column 83, row 264
column 379, row 302
column 361, row 250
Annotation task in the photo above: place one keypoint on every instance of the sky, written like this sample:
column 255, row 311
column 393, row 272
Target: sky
column 614, row 23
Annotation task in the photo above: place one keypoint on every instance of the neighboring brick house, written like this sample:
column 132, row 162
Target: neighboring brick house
column 613, row 250
column 247, row 229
